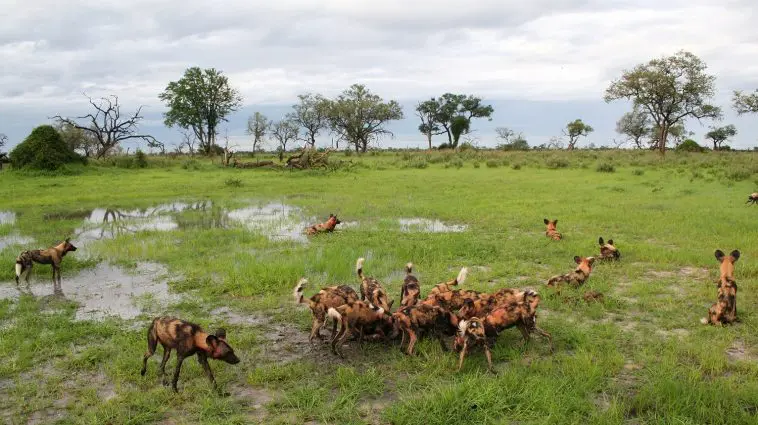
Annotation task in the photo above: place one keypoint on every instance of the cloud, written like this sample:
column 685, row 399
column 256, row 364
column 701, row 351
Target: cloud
column 543, row 51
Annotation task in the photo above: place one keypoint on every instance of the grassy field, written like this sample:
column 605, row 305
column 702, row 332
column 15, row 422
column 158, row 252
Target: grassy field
column 227, row 258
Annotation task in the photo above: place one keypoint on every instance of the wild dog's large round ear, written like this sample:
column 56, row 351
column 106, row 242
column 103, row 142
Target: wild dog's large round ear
column 212, row 341
column 719, row 255
column 610, row 241
column 390, row 304
column 221, row 333
column 735, row 254
column 577, row 259
column 68, row 240
column 590, row 260
column 600, row 241
column 545, row 220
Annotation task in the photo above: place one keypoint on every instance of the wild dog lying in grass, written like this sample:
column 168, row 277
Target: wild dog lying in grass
column 187, row 339
column 724, row 311
column 327, row 226
column 752, row 198
column 411, row 291
column 53, row 256
column 448, row 286
column 471, row 333
column 578, row 276
column 357, row 315
column 372, row 290
column 608, row 251
column 321, row 302
column 551, row 232
column 423, row 318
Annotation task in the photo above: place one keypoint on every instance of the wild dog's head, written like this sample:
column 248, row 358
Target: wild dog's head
column 333, row 220
column 68, row 246
column 608, row 249
column 220, row 349
column 727, row 262
column 584, row 263
column 550, row 224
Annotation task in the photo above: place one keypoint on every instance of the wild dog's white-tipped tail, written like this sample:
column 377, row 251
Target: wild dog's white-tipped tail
column 359, row 265
column 380, row 311
column 334, row 314
column 461, row 276
column 462, row 326
column 18, row 270
column 704, row 320
column 409, row 268
column 298, row 291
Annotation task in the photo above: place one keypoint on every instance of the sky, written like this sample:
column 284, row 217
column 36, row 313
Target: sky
column 540, row 64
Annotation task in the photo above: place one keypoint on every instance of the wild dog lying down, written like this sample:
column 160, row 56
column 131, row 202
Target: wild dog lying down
column 53, row 256
column 327, row 226
column 578, row 276
column 187, row 339
column 471, row 333
column 551, row 232
column 357, row 315
column 752, row 198
column 411, row 291
column 423, row 318
column 448, row 286
column 372, row 290
column 724, row 311
column 321, row 302
column 608, row 251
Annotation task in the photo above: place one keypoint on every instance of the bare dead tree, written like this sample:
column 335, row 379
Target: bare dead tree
column 228, row 153
column 108, row 126
column 189, row 140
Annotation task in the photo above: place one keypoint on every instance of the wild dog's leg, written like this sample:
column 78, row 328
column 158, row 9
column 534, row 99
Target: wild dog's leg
column 317, row 323
column 29, row 273
column 488, row 354
column 334, row 328
column 166, row 356
column 152, row 343
column 463, row 354
column 441, row 338
column 203, row 360
column 360, row 336
column 340, row 338
column 179, row 360
column 411, row 341
column 402, row 340
column 344, row 336
column 525, row 333
column 545, row 334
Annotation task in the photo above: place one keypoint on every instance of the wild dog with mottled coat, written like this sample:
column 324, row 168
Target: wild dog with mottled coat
column 752, row 198
column 551, row 231
column 608, row 251
column 724, row 311
column 321, row 302
column 423, row 318
column 356, row 315
column 187, row 339
column 470, row 334
column 372, row 290
column 327, row 226
column 53, row 256
column 578, row 276
column 448, row 286
column 411, row 290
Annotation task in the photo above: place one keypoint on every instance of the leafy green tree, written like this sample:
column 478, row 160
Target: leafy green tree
column 451, row 106
column 200, row 101
column 574, row 130
column 359, row 116
column 510, row 140
column 745, row 103
column 257, row 126
column 636, row 126
column 43, row 149
column 310, row 115
column 429, row 112
column 284, row 132
column 670, row 89
column 719, row 135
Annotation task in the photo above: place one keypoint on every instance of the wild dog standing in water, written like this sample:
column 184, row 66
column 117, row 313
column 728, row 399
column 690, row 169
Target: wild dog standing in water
column 551, row 232
column 411, row 290
column 187, row 339
column 608, row 251
column 420, row 318
column 471, row 333
column 327, row 226
column 372, row 290
column 578, row 276
column 321, row 302
column 53, row 256
column 356, row 315
column 752, row 198
column 724, row 311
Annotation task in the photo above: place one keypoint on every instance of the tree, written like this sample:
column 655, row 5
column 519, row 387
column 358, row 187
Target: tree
column 311, row 115
column 43, row 149
column 574, row 130
column 719, row 135
column 77, row 139
column 429, row 111
column 636, row 126
column 200, row 101
column 189, row 140
column 107, row 126
column 670, row 89
column 284, row 132
column 452, row 106
column 3, row 140
column 510, row 140
column 677, row 132
column 257, row 126
column 745, row 103
column 458, row 126
column 359, row 116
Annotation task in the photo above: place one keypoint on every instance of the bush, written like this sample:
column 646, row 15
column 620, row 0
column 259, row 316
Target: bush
column 516, row 166
column 555, row 162
column 43, row 149
column 605, row 167
column 638, row 172
column 191, row 164
column 233, row 182
column 140, row 159
column 689, row 145
column 491, row 163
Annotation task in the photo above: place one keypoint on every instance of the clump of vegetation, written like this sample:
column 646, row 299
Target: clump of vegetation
column 191, row 164
column 230, row 182
column 491, row 163
column 416, row 163
column 516, row 166
column 556, row 162
column 690, row 145
column 638, row 172
column 43, row 149
column 605, row 167
column 140, row 159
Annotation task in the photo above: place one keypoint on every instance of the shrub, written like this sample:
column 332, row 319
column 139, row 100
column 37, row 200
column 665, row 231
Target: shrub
column 689, row 145
column 43, row 149
column 491, row 163
column 416, row 163
column 638, row 172
column 605, row 167
column 477, row 164
column 191, row 164
column 516, row 166
column 555, row 162
column 233, row 182
column 140, row 159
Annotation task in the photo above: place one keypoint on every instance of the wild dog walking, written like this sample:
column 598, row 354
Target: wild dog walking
column 752, row 198
column 578, row 276
column 470, row 334
column 521, row 313
column 327, row 226
column 724, row 311
column 411, row 291
column 321, row 302
column 608, row 251
column 356, row 315
column 423, row 318
column 187, row 339
column 550, row 232
column 53, row 256
column 372, row 290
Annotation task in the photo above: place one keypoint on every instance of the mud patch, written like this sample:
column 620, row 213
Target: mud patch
column 14, row 239
column 429, row 226
column 738, row 352
column 371, row 409
column 235, row 318
column 254, row 399
column 693, row 272
column 105, row 291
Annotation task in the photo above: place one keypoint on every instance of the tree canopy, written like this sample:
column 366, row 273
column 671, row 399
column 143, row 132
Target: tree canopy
column 43, row 149
column 745, row 103
column 719, row 135
column 576, row 129
column 310, row 115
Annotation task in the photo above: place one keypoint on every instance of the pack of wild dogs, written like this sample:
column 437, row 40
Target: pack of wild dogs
column 471, row 318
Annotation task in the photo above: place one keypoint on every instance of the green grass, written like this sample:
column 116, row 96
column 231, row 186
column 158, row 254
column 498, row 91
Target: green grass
column 641, row 356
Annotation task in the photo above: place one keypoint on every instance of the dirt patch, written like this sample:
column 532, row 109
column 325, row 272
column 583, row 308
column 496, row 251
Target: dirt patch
column 372, row 408
column 254, row 399
column 738, row 352
column 660, row 274
column 426, row 225
column 236, row 318
column 693, row 272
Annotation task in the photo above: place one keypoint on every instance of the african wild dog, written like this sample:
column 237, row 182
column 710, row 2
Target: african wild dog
column 578, row 276
column 372, row 290
column 724, row 311
column 321, row 302
column 752, row 198
column 608, row 251
column 53, row 256
column 423, row 318
column 356, row 315
column 327, row 226
column 551, row 232
column 446, row 286
column 471, row 333
column 187, row 339
column 411, row 291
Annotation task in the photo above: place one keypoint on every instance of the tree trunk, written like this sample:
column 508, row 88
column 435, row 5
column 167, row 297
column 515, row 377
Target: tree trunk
column 662, row 142
column 429, row 137
column 313, row 140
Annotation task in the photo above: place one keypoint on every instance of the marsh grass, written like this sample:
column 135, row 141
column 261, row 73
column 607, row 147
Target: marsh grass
column 640, row 356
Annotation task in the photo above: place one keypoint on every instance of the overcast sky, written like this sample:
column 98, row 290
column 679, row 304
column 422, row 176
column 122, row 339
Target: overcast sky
column 539, row 63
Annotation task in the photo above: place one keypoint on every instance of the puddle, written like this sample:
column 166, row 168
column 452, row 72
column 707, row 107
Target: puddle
column 429, row 226
column 7, row 217
column 103, row 291
column 275, row 220
column 15, row 239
